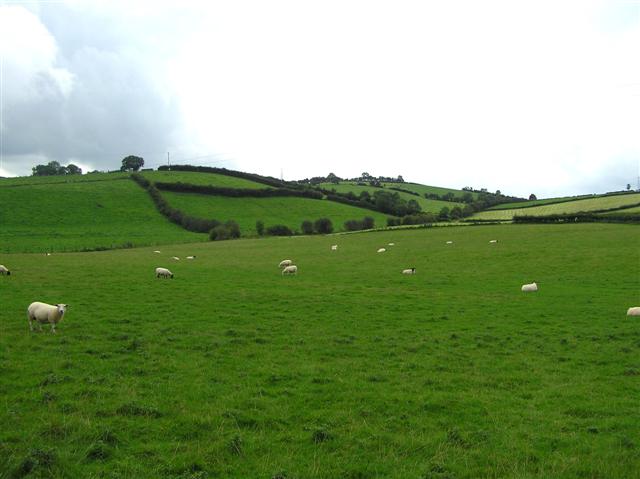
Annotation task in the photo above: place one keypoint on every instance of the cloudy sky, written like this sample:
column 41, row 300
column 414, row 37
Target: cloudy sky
column 521, row 96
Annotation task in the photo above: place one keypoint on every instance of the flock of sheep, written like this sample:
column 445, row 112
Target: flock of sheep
column 43, row 313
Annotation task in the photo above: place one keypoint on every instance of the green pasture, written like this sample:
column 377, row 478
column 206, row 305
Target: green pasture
column 422, row 189
column 47, row 180
column 433, row 206
column 290, row 211
column 591, row 204
column 197, row 178
column 347, row 370
column 83, row 215
column 546, row 201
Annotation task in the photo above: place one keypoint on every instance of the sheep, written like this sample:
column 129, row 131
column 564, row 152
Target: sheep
column 46, row 313
column 392, row 244
column 382, row 250
column 4, row 270
column 334, row 247
column 191, row 257
column 635, row 311
column 493, row 241
column 291, row 269
column 157, row 251
column 409, row 271
column 176, row 258
column 529, row 287
column 284, row 263
column 164, row 273
column 449, row 242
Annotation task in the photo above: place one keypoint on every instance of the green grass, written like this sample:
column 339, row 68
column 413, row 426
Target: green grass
column 82, row 215
column 42, row 180
column 546, row 201
column 290, row 211
column 591, row 204
column 348, row 370
column 632, row 210
column 433, row 206
column 422, row 189
column 196, row 178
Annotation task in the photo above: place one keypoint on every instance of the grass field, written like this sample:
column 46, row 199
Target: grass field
column 433, row 206
column 81, row 215
column 290, row 211
column 349, row 370
column 592, row 204
column 546, row 201
column 45, row 180
column 196, row 178
column 422, row 189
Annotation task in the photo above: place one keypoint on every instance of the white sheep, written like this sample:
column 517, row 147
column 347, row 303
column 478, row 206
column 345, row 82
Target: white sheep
column 409, row 271
column 529, row 287
column 382, row 250
column 157, row 251
column 191, row 257
column 334, row 247
column 449, row 242
column 493, row 241
column 45, row 313
column 635, row 311
column 164, row 273
column 284, row 263
column 176, row 258
column 4, row 270
column 392, row 244
column 291, row 269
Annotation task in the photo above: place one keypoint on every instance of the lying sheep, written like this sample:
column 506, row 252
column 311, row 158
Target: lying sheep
column 449, row 242
column 45, row 313
column 392, row 244
column 334, row 247
column 493, row 241
column 409, row 271
column 164, row 273
column 176, row 258
column 4, row 270
column 157, row 251
column 291, row 269
column 635, row 311
column 530, row 287
column 191, row 257
column 284, row 263
column 382, row 250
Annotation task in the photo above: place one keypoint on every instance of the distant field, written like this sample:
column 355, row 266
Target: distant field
column 290, row 211
column 422, row 189
column 546, row 201
column 592, row 204
column 196, row 178
column 77, row 215
column 433, row 206
column 347, row 370
column 633, row 210
column 41, row 180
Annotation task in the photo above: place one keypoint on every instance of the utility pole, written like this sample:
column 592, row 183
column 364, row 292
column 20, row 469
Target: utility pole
column 168, row 162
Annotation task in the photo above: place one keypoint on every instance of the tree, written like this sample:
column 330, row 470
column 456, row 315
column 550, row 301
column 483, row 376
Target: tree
column 307, row 227
column 444, row 214
column 50, row 169
column 132, row 163
column 400, row 179
column 368, row 222
column 331, row 178
column 260, row 227
column 456, row 213
column 323, row 226
column 73, row 169
column 628, row 186
column 532, row 197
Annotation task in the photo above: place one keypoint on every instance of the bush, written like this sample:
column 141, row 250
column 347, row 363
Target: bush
column 229, row 230
column 279, row 230
column 368, row 223
column 391, row 221
column 260, row 227
column 354, row 225
column 323, row 226
column 307, row 227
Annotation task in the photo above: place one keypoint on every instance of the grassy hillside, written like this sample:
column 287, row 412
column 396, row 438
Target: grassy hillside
column 289, row 211
column 590, row 204
column 195, row 178
column 348, row 370
column 546, row 201
column 422, row 189
column 433, row 206
column 82, row 215
column 41, row 180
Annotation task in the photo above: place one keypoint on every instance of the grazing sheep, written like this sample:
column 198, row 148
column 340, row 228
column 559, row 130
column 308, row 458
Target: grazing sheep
column 284, row 263
column 45, row 313
column 191, row 257
column 176, row 258
column 4, row 270
column 635, row 311
column 529, row 287
column 493, row 241
column 449, row 242
column 164, row 273
column 409, row 271
column 157, row 251
column 392, row 244
column 334, row 247
column 291, row 269
column 382, row 250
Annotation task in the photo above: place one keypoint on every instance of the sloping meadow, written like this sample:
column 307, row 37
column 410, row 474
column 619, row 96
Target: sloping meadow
column 349, row 369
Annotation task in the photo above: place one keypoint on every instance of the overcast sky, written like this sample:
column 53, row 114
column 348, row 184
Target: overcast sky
column 524, row 97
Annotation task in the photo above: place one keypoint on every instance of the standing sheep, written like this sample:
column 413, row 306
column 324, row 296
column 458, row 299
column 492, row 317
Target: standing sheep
column 284, row 263
column 635, row 311
column 164, row 273
column 493, row 241
column 529, row 287
column 382, row 250
column 334, row 247
column 4, row 270
column 45, row 313
column 409, row 271
column 292, row 269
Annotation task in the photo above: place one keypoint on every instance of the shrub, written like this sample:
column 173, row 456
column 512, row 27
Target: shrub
column 391, row 221
column 307, row 227
column 368, row 223
column 229, row 230
column 323, row 226
column 279, row 230
column 260, row 227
